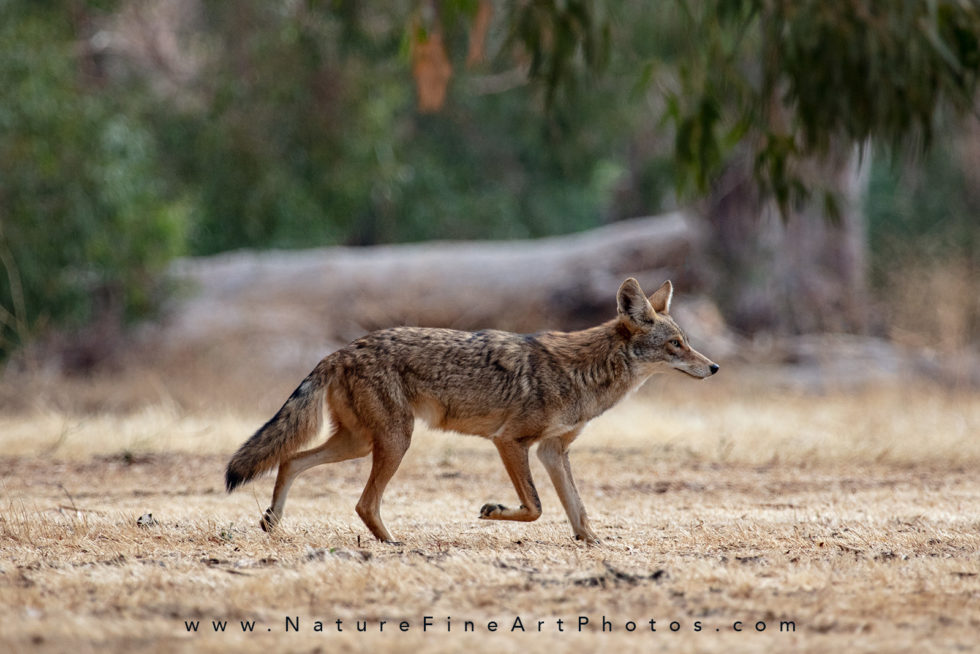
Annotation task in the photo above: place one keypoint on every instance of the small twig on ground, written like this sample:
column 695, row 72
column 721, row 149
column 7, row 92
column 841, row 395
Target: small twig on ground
column 70, row 498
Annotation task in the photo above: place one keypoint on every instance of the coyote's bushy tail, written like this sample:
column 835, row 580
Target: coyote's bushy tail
column 298, row 421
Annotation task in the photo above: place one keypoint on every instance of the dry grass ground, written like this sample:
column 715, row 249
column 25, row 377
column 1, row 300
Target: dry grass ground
column 854, row 516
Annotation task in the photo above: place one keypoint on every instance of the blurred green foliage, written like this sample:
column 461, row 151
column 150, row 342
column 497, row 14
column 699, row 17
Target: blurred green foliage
column 298, row 128
column 791, row 79
column 923, row 211
column 315, row 139
column 293, row 124
column 85, row 225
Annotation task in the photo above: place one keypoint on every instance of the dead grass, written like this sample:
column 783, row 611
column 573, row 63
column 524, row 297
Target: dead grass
column 857, row 517
column 674, row 417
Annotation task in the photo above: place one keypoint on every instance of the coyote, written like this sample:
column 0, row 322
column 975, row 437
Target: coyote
column 515, row 389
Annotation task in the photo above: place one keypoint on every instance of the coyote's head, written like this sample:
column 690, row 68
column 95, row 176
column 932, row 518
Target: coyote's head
column 655, row 340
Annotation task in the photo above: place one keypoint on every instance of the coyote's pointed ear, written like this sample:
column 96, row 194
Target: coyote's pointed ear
column 633, row 306
column 660, row 300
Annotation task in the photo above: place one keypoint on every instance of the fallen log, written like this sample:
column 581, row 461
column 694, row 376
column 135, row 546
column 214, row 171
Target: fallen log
column 340, row 292
column 275, row 313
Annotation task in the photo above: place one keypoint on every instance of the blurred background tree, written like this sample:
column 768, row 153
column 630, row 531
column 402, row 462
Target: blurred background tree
column 133, row 131
column 86, row 222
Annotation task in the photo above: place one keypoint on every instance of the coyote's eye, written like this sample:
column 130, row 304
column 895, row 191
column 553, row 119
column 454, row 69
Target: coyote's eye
column 675, row 342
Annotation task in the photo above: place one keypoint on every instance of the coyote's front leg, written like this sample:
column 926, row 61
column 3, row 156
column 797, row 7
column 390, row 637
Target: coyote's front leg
column 514, row 456
column 553, row 453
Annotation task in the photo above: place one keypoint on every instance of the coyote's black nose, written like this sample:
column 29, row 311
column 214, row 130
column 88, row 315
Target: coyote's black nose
column 713, row 368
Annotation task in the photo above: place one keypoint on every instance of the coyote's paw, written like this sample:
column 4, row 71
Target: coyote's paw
column 269, row 520
column 590, row 539
column 491, row 510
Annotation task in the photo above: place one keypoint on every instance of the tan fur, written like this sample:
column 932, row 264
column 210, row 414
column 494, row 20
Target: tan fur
column 516, row 390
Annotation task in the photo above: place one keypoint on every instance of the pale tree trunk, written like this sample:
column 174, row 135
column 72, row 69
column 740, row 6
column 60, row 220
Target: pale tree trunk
column 299, row 305
column 801, row 274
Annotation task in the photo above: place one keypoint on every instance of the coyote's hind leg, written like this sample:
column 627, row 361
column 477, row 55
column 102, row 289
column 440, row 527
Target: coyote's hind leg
column 390, row 446
column 341, row 446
